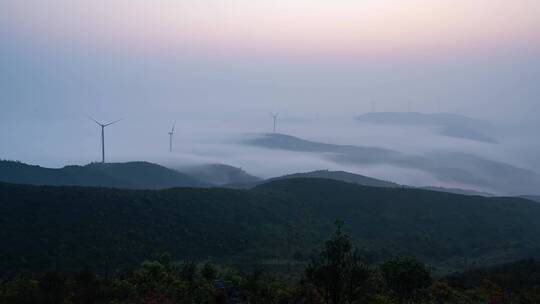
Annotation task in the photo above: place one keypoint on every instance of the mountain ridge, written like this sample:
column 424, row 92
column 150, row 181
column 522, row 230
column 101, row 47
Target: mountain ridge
column 466, row 169
column 130, row 175
column 343, row 176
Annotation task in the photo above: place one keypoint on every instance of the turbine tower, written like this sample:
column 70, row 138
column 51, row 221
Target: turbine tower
column 171, row 134
column 103, row 136
column 275, row 116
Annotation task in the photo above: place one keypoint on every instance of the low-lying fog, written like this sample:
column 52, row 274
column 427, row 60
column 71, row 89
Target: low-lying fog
column 217, row 101
column 76, row 140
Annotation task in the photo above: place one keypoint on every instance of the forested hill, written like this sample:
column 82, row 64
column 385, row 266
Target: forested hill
column 131, row 175
column 44, row 226
column 325, row 174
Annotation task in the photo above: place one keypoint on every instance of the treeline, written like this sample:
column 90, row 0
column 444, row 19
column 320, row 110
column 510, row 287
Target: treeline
column 335, row 274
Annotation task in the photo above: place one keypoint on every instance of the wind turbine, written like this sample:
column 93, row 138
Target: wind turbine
column 275, row 116
column 103, row 136
column 171, row 134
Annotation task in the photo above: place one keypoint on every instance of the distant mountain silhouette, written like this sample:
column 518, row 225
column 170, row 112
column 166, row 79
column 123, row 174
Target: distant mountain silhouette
column 333, row 175
column 355, row 179
column 344, row 177
column 457, row 191
column 292, row 143
column 535, row 198
column 219, row 174
column 132, row 175
column 450, row 125
column 450, row 167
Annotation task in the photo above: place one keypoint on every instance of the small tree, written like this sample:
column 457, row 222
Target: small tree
column 189, row 271
column 405, row 277
column 86, row 287
column 336, row 272
column 53, row 287
column 209, row 272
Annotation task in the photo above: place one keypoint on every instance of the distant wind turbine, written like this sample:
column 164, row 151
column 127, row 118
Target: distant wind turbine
column 103, row 136
column 171, row 134
column 275, row 116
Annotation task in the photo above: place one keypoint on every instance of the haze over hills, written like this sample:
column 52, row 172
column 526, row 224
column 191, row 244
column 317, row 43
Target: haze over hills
column 354, row 179
column 219, row 174
column 341, row 176
column 451, row 125
column 144, row 175
column 325, row 174
column 292, row 143
column 72, row 226
column 131, row 175
column 457, row 191
column 462, row 168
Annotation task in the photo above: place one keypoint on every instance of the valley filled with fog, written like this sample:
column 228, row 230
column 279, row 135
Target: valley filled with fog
column 414, row 154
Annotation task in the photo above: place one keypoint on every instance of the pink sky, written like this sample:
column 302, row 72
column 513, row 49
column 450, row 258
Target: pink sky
column 297, row 25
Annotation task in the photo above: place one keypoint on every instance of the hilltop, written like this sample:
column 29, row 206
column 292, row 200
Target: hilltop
column 325, row 174
column 467, row 169
column 131, row 175
column 359, row 179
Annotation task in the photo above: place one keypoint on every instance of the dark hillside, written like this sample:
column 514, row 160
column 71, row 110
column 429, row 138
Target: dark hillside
column 42, row 226
column 326, row 174
column 131, row 175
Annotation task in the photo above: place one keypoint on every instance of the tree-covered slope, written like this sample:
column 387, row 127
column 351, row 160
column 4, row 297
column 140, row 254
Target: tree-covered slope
column 145, row 175
column 326, row 174
column 514, row 277
column 42, row 226
column 132, row 175
column 344, row 177
column 433, row 224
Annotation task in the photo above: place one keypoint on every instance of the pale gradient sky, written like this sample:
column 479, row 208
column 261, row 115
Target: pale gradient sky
column 219, row 67
column 294, row 25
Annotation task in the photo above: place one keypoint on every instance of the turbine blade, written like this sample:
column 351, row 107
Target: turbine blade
column 113, row 122
column 90, row 117
column 174, row 125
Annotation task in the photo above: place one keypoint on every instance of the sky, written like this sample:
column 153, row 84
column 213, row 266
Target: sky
column 219, row 68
